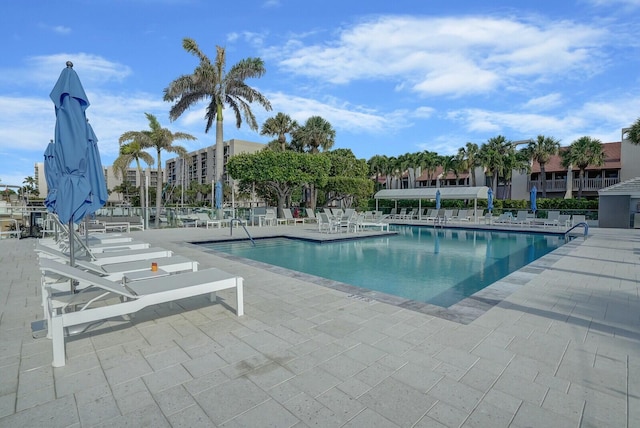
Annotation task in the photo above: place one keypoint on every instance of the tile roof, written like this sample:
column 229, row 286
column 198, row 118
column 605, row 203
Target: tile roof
column 611, row 160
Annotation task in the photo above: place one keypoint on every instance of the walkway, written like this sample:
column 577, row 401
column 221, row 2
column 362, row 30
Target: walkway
column 561, row 349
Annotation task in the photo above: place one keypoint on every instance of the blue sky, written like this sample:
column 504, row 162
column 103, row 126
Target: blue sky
column 392, row 77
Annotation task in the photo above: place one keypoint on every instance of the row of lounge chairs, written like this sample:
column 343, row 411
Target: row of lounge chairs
column 524, row 218
column 123, row 279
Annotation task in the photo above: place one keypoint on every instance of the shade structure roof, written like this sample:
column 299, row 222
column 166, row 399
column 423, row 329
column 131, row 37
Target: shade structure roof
column 624, row 188
column 430, row 193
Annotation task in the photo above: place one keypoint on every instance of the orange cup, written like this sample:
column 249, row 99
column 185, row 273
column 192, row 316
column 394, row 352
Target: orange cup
column 154, row 267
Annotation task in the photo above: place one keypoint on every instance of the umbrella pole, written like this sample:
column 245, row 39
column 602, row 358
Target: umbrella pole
column 72, row 257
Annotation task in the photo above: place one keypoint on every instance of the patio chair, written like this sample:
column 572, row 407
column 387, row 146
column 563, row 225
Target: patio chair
column 112, row 299
column 578, row 218
column 326, row 224
column 564, row 220
column 289, row 218
column 311, row 216
column 552, row 219
column 447, row 216
column 462, row 216
column 522, row 218
column 270, row 218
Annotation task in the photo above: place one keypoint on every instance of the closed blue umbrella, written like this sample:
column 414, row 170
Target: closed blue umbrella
column 490, row 200
column 218, row 194
column 99, row 194
column 51, row 173
column 80, row 187
column 533, row 195
column 438, row 199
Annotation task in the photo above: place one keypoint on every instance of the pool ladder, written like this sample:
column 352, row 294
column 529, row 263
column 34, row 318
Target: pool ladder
column 241, row 223
column 583, row 224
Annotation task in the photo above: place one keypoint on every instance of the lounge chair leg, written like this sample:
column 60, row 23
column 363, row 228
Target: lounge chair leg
column 213, row 297
column 57, row 333
column 239, row 297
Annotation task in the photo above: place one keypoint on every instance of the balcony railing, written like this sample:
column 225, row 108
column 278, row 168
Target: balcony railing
column 590, row 184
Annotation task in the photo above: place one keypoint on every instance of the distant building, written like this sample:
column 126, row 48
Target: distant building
column 200, row 164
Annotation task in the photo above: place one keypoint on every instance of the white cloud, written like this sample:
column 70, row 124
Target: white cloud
column 544, row 102
column 447, row 55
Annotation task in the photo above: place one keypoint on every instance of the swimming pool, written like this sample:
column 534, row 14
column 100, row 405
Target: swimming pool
column 424, row 264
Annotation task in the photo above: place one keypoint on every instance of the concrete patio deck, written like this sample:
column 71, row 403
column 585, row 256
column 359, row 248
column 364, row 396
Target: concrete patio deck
column 560, row 348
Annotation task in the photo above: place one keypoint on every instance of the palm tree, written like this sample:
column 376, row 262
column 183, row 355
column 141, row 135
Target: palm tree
column 492, row 156
column 209, row 81
column 29, row 187
column 160, row 139
column 129, row 153
column 540, row 150
column 377, row 167
column 316, row 134
column 583, row 152
column 469, row 159
column 429, row 161
column 449, row 163
column 279, row 126
column 633, row 133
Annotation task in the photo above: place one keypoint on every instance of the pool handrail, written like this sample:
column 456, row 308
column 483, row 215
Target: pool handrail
column 582, row 223
column 241, row 223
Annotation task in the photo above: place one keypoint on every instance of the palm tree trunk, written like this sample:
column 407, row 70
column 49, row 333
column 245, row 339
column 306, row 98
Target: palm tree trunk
column 581, row 181
column 142, row 199
column 219, row 152
column 158, row 192
column 543, row 178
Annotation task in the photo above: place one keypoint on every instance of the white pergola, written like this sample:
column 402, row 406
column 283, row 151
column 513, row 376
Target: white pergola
column 421, row 193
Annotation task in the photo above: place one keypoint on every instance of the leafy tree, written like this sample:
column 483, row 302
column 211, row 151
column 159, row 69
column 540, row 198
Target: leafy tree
column 132, row 152
column 469, row 159
column 581, row 153
column 348, row 177
column 540, row 150
column 633, row 133
column 158, row 138
column 210, row 81
column 279, row 126
column 315, row 134
column 279, row 172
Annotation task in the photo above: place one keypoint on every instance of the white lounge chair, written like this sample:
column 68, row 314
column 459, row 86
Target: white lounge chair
column 552, row 219
column 326, row 224
column 289, row 218
column 109, row 257
column 522, row 218
column 578, row 218
column 115, row 299
column 311, row 216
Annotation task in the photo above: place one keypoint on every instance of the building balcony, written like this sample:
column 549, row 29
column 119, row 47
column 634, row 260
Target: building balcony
column 560, row 185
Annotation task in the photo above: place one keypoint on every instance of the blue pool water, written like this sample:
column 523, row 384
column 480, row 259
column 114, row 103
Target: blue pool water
column 436, row 266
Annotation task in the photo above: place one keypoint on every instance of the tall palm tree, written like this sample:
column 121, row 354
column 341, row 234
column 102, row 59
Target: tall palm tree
column 429, row 161
column 211, row 82
column 377, row 167
column 316, row 134
column 133, row 152
column 581, row 153
column 492, row 156
column 633, row 133
column 449, row 163
column 540, row 150
column 158, row 138
column 469, row 160
column 279, row 126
